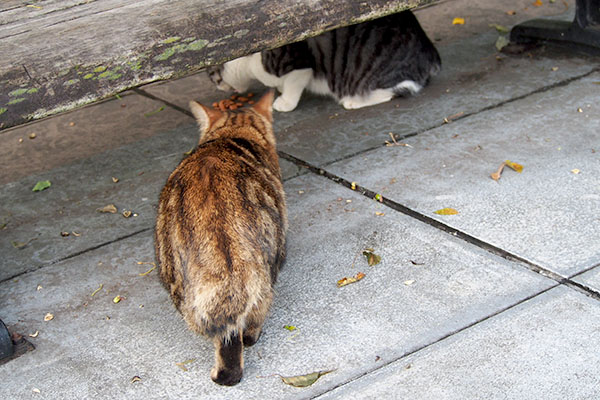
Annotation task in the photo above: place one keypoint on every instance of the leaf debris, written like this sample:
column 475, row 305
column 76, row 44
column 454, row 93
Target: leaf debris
column 348, row 280
column 372, row 258
column 446, row 211
column 35, row 334
column 304, row 380
column 458, row 21
column 183, row 363
column 136, row 379
column 394, row 142
column 514, row 166
column 48, row 317
column 41, row 185
column 97, row 290
column 290, row 327
column 109, row 208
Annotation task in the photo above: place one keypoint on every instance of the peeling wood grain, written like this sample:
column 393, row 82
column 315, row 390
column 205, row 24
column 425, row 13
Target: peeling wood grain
column 60, row 54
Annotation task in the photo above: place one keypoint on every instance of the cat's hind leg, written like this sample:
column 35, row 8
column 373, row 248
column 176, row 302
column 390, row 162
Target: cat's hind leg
column 377, row 96
column 293, row 85
column 255, row 320
column 229, row 360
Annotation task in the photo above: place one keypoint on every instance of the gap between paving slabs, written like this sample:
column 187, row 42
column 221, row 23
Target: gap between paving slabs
column 425, row 346
column 568, row 281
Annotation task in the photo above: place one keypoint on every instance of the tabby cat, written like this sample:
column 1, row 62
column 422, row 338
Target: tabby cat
column 220, row 231
column 359, row 65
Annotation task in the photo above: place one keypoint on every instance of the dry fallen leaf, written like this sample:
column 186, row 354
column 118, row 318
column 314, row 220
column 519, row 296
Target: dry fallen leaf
column 537, row 3
column 135, row 379
column 48, row 317
column 511, row 12
column 372, row 258
column 32, row 136
column 353, row 186
column 304, row 380
column 97, row 290
column 34, row 335
column 380, row 214
column 109, row 208
column 409, row 282
column 183, row 363
column 127, row 213
column 496, row 175
column 514, row 166
column 118, row 299
column 115, row 180
column 458, row 21
column 575, row 171
column 352, row 279
column 446, row 211
column 36, row 390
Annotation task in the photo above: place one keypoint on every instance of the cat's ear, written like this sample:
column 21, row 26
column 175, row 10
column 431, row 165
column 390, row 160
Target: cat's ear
column 265, row 105
column 205, row 116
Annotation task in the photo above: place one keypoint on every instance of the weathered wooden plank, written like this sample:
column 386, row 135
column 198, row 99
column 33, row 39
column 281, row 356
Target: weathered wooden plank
column 56, row 55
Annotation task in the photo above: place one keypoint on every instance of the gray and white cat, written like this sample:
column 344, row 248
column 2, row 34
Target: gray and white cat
column 359, row 65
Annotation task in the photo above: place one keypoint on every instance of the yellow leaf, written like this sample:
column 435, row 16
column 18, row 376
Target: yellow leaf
column 514, row 166
column 48, row 317
column 458, row 21
column 352, row 279
column 446, row 211
column 537, row 3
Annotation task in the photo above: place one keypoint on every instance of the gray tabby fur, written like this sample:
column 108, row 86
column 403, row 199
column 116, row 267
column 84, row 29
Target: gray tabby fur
column 359, row 65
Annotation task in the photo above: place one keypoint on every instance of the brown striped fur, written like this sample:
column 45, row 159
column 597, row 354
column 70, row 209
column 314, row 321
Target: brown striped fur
column 220, row 231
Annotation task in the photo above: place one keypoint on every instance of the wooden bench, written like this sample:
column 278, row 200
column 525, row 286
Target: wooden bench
column 60, row 54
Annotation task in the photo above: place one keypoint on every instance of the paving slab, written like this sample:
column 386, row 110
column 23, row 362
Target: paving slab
column 545, row 348
column 547, row 214
column 428, row 285
column 79, row 188
column 79, row 134
column 590, row 278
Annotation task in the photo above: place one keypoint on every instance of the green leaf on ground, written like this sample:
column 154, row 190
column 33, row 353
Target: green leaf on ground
column 500, row 28
column 41, row 185
column 502, row 42
column 372, row 258
column 290, row 327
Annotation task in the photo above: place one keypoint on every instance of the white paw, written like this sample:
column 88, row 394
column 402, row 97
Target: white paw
column 282, row 105
column 350, row 104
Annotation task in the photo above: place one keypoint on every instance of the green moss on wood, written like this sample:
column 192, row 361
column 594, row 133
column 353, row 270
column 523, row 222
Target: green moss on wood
column 171, row 40
column 181, row 48
column 18, row 92
column 88, row 76
column 100, row 69
column 3, row 110
column 197, row 45
column 15, row 101
column 71, row 82
column 32, row 91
